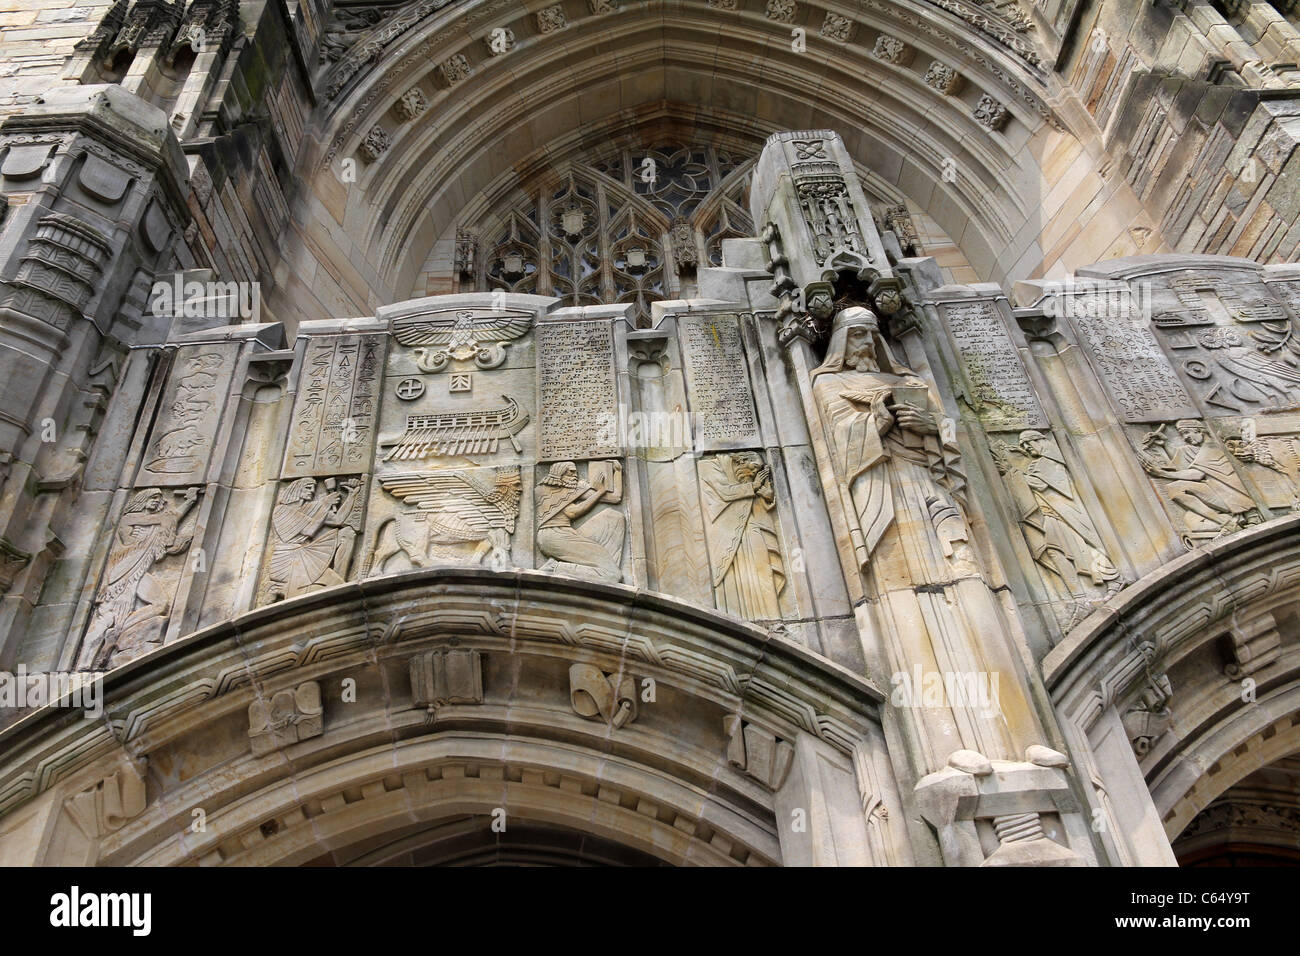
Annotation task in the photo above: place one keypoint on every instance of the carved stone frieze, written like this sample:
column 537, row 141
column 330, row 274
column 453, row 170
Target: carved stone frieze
column 289, row 717
column 579, row 530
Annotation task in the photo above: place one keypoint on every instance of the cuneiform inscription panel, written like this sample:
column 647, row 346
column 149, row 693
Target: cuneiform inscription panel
column 719, row 382
column 1003, row 395
column 577, row 400
column 1142, row 384
column 334, row 413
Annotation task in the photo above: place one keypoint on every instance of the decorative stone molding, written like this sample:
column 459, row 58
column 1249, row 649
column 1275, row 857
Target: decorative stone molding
column 110, row 804
column 892, row 50
column 411, row 104
column 466, row 253
column 375, row 144
column 454, row 69
column 782, row 11
column 599, row 695
column 758, row 752
column 59, row 271
column 942, row 78
column 990, row 114
column 550, row 19
column 598, row 7
column 446, row 677
column 838, row 28
column 291, row 716
column 1148, row 717
column 1252, row 646
column 724, row 4
column 12, row 562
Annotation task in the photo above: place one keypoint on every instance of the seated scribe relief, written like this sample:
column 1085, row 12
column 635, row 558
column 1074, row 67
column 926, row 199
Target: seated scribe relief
column 148, row 532
column 748, row 572
column 898, row 469
column 593, row 547
column 314, row 536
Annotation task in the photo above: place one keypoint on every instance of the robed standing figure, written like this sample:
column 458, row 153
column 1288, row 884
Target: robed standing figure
column 903, row 481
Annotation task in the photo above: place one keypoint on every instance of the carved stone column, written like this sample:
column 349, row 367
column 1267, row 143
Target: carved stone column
column 911, row 544
column 95, row 184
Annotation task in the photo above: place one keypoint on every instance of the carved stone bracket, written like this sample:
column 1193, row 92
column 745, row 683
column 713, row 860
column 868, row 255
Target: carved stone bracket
column 758, row 752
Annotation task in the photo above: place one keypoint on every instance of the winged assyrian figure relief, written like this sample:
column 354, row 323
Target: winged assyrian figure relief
column 460, row 517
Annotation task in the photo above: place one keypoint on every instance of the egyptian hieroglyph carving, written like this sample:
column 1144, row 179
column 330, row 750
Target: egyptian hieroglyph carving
column 334, row 411
column 135, row 597
column 314, row 527
column 187, row 420
column 1061, row 535
column 461, row 517
column 744, row 544
column 597, row 695
column 1200, row 480
column 288, row 717
column 575, row 541
column 896, row 468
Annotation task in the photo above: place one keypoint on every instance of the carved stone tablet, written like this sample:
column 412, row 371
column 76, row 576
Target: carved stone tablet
column 1142, row 384
column 333, row 426
column 577, row 401
column 718, row 378
column 1004, row 398
column 181, row 444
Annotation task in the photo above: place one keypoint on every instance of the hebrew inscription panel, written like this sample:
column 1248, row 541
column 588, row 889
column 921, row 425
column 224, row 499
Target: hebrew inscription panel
column 577, row 400
column 1001, row 391
column 716, row 372
column 1142, row 384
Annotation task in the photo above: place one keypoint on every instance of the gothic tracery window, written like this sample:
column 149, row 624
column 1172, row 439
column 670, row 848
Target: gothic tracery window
column 629, row 226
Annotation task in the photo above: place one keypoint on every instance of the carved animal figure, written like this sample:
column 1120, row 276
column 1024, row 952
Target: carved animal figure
column 458, row 516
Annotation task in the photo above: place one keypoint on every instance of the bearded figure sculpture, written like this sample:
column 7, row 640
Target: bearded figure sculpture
column 884, row 425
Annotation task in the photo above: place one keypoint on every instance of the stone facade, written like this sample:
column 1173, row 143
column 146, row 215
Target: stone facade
column 932, row 480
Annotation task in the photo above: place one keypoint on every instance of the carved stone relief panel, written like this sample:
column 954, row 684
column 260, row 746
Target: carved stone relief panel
column 722, row 401
column 1231, row 335
column 446, row 676
column 580, row 532
column 314, row 529
column 290, row 716
column 1205, row 495
column 334, row 413
column 461, row 516
column 181, row 443
column 1141, row 382
column 597, row 695
column 1269, row 449
column 748, row 567
column 998, row 387
column 1060, row 533
column 577, row 398
column 458, row 390
column 138, row 585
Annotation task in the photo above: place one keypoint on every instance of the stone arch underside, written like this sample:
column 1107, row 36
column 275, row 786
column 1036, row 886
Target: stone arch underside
column 460, row 720
column 1187, row 682
column 606, row 78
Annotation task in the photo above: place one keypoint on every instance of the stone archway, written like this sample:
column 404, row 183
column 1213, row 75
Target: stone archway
column 411, row 713
column 1185, row 684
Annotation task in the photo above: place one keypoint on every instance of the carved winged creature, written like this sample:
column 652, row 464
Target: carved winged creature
column 458, row 516
column 437, row 339
column 1251, row 374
